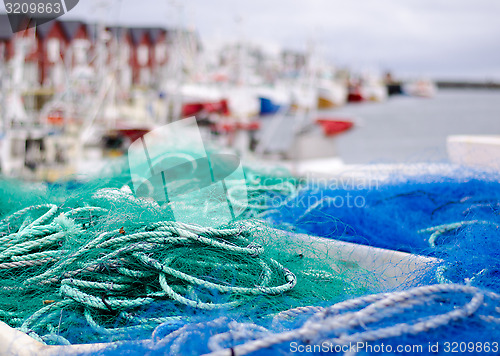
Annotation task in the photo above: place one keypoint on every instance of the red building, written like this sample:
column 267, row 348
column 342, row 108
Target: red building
column 138, row 55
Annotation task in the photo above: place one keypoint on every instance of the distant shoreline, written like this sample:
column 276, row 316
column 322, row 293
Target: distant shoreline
column 467, row 85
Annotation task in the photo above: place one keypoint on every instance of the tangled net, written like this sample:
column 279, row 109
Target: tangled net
column 454, row 219
column 91, row 263
column 115, row 270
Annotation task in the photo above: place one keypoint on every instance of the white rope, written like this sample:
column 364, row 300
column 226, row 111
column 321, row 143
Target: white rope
column 330, row 321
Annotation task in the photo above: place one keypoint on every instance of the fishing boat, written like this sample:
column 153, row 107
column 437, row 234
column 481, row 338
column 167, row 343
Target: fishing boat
column 423, row 88
column 331, row 94
column 355, row 93
column 243, row 102
column 394, row 87
column 272, row 99
column 334, row 126
column 268, row 106
column 373, row 89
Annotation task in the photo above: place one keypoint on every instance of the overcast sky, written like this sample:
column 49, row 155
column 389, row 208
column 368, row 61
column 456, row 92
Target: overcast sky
column 435, row 38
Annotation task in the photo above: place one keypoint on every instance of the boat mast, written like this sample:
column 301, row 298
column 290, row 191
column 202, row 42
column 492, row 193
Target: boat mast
column 14, row 108
column 105, row 78
column 174, row 70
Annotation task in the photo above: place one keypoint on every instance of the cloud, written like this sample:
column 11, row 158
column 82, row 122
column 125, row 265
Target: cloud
column 430, row 37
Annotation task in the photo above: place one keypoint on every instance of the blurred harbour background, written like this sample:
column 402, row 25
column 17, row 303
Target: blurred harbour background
column 357, row 83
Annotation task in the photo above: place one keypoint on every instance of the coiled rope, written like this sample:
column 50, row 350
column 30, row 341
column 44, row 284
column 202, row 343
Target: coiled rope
column 118, row 272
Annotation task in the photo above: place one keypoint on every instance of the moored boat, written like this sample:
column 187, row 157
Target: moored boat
column 355, row 94
column 423, row 88
column 331, row 94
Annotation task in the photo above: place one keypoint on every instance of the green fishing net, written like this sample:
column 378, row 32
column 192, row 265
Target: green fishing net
column 90, row 262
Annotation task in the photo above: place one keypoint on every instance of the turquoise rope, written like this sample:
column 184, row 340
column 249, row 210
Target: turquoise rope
column 109, row 282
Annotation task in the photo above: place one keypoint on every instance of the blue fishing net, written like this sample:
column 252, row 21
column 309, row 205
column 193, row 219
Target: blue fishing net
column 455, row 219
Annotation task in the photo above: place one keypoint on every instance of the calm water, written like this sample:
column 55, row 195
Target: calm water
column 409, row 129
